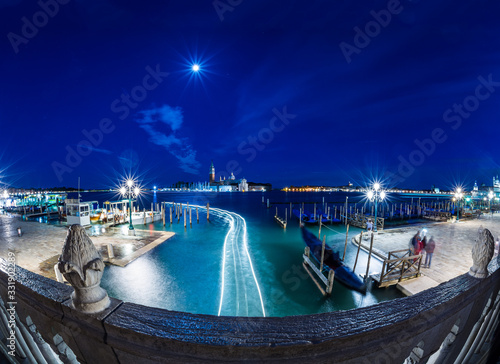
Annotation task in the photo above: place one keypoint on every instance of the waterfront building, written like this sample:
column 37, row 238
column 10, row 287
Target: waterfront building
column 231, row 184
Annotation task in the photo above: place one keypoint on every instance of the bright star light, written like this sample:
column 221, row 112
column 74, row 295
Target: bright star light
column 196, row 67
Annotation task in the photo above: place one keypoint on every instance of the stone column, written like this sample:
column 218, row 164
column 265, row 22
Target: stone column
column 82, row 266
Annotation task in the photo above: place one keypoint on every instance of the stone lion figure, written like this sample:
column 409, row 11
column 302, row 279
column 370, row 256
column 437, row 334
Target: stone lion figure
column 482, row 252
column 82, row 266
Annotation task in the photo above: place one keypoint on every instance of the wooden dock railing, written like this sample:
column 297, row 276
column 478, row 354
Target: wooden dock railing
column 359, row 220
column 398, row 266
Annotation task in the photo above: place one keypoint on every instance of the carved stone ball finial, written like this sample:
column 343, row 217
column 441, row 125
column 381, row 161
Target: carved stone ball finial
column 482, row 252
column 82, row 266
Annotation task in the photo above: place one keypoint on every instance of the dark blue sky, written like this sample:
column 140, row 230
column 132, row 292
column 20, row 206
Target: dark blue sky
column 311, row 92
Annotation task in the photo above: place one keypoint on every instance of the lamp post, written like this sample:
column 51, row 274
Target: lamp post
column 458, row 195
column 490, row 196
column 128, row 191
column 376, row 194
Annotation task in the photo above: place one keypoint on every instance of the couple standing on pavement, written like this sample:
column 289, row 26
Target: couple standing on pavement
column 419, row 243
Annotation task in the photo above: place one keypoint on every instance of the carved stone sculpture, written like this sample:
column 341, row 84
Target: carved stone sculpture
column 482, row 252
column 82, row 266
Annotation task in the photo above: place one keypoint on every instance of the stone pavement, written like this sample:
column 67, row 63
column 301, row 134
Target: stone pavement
column 452, row 256
column 41, row 244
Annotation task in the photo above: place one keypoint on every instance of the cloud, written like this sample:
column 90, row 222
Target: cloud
column 179, row 147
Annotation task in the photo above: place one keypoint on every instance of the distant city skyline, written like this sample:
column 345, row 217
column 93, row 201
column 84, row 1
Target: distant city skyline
column 311, row 93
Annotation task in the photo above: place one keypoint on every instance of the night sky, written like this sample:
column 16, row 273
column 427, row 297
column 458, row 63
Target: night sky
column 290, row 93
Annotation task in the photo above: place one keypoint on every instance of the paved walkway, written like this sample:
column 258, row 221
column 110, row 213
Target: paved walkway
column 41, row 244
column 452, row 256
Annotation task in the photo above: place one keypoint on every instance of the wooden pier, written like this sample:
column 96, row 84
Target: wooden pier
column 398, row 266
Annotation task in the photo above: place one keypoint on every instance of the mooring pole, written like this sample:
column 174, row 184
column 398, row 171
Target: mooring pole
column 322, row 253
column 184, row 219
column 319, row 232
column 345, row 212
column 190, row 221
column 345, row 247
column 208, row 211
column 170, row 215
column 359, row 248
column 197, row 216
column 369, row 257
column 331, row 276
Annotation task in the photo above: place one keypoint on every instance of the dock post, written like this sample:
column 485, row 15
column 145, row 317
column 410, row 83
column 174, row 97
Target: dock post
column 319, row 232
column 197, row 216
column 331, row 276
column 322, row 253
column 144, row 213
column 276, row 211
column 314, row 213
column 190, row 221
column 111, row 253
column 323, row 203
column 357, row 254
column 345, row 247
column 369, row 257
column 178, row 214
column 163, row 214
column 187, row 205
column 170, row 215
column 262, row 199
column 267, row 203
column 208, row 211
column 300, row 217
column 184, row 219
column 181, row 211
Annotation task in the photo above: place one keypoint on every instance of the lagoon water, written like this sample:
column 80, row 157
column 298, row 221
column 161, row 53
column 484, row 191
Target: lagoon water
column 240, row 263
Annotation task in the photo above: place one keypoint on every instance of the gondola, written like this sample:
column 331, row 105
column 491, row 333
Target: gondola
column 332, row 260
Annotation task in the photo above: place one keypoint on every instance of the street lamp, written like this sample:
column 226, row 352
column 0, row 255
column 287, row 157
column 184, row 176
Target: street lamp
column 376, row 194
column 458, row 195
column 490, row 196
column 128, row 191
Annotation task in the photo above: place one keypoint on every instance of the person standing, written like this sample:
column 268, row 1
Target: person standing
column 429, row 250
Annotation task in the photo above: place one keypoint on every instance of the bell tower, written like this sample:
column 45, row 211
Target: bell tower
column 211, row 176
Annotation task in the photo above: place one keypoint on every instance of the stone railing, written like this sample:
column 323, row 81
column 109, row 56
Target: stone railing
column 451, row 323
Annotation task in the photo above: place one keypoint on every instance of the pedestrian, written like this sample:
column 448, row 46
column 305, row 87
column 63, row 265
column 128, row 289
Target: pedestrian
column 414, row 243
column 429, row 250
column 369, row 225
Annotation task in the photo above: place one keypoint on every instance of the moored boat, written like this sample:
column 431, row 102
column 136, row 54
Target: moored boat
column 343, row 273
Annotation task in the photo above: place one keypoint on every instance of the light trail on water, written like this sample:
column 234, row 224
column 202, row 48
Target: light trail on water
column 240, row 293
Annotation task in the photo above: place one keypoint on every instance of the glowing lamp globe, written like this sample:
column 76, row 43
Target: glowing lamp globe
column 123, row 190
column 195, row 67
